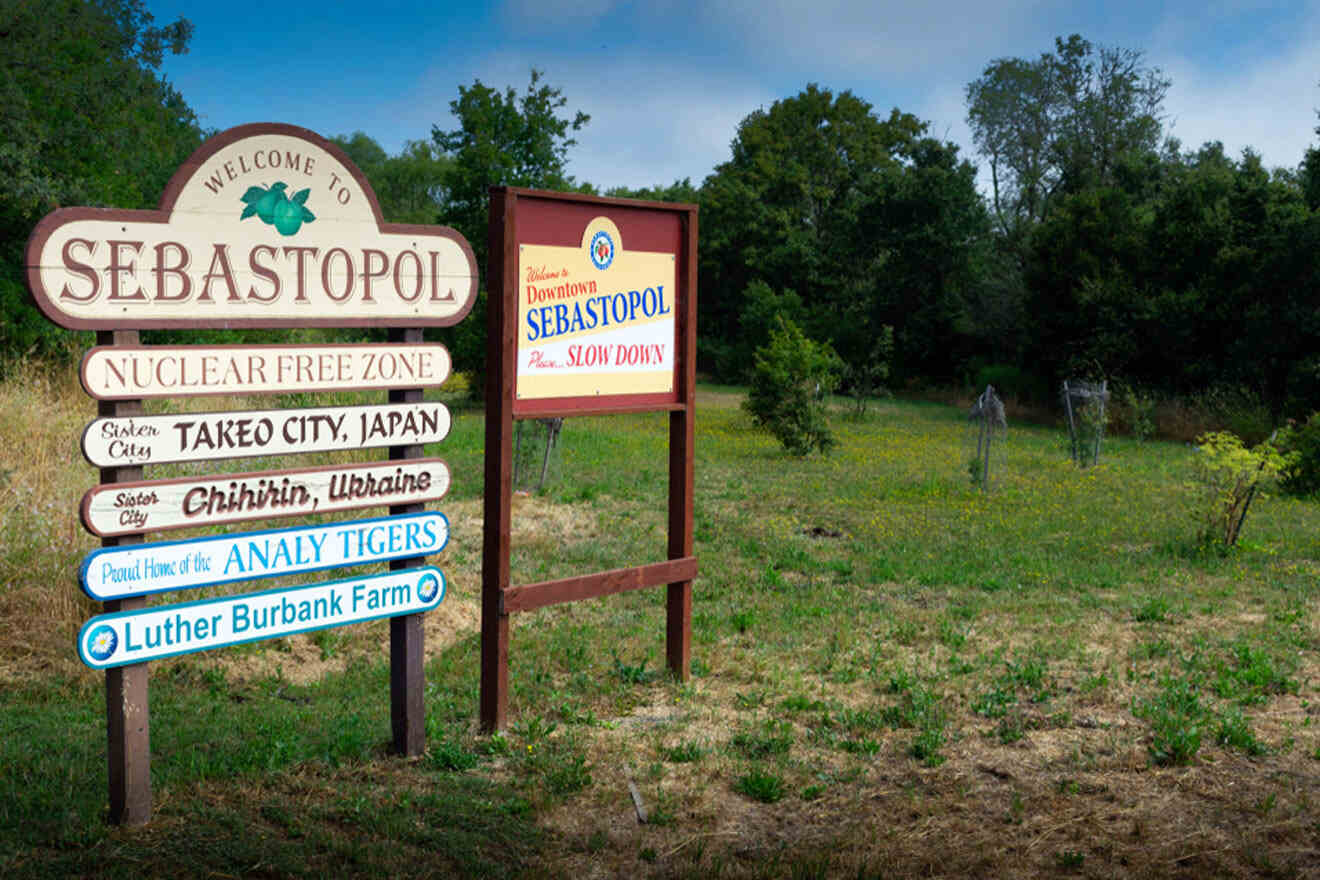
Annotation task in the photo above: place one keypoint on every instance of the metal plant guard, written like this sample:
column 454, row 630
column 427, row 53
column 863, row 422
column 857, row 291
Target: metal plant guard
column 534, row 442
column 987, row 421
column 1084, row 403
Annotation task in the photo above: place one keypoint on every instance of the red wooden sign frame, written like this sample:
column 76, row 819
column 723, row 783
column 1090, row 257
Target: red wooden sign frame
column 530, row 217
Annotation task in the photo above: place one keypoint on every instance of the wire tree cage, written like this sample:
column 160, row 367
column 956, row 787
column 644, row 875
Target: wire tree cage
column 987, row 425
column 1084, row 403
column 534, row 458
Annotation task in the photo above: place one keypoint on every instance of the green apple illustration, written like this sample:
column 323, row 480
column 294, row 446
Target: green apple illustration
column 288, row 217
column 273, row 206
column 267, row 203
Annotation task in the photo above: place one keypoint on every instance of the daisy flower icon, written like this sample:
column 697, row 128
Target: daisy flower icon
column 102, row 643
column 427, row 587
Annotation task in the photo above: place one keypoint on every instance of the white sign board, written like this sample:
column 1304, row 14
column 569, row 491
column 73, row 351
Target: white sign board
column 123, row 372
column 153, row 633
column 120, row 442
column 139, row 569
column 156, row 505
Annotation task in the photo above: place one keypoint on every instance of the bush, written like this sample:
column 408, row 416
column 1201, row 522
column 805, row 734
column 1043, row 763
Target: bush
column 1011, row 382
column 865, row 379
column 1301, row 443
column 792, row 377
column 1228, row 475
column 1133, row 412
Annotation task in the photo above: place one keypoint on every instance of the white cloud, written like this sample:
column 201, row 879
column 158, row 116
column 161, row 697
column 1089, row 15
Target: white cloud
column 654, row 119
column 665, row 111
column 1269, row 106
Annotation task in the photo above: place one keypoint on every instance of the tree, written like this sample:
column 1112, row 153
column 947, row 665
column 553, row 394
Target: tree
column 412, row 187
column 792, row 378
column 860, row 215
column 678, row 191
column 504, row 139
column 1061, row 123
column 88, row 120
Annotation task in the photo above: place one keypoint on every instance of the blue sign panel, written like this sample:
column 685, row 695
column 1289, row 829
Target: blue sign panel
column 140, row 569
column 146, row 634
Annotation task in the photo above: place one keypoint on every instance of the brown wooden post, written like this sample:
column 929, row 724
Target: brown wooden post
column 127, row 711
column 407, row 634
column 678, row 596
column 497, row 524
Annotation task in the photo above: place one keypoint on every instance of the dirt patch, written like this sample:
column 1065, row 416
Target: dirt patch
column 301, row 660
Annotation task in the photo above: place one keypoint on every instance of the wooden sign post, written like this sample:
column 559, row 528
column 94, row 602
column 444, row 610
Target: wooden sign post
column 266, row 226
column 592, row 310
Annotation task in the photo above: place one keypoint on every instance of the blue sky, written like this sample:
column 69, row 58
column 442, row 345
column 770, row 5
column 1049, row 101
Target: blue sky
column 667, row 81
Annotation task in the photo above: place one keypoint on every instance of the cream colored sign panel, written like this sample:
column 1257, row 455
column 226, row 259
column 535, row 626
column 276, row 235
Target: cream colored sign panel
column 265, row 225
column 121, row 508
column 133, row 440
column 120, row 372
column 596, row 319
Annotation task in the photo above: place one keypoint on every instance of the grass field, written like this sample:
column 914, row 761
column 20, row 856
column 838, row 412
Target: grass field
column 894, row 674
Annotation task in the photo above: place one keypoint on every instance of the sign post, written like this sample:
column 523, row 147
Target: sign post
column 592, row 310
column 264, row 226
column 127, row 713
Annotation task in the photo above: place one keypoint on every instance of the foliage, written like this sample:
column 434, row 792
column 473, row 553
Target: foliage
column 503, row 139
column 1301, row 444
column 412, row 186
column 1178, row 719
column 1227, row 478
column 1140, row 412
column 762, row 309
column 88, row 120
column 1011, row 382
column 865, row 217
column 791, row 381
column 679, row 191
column 864, row 379
column 1061, row 123
column 762, row 786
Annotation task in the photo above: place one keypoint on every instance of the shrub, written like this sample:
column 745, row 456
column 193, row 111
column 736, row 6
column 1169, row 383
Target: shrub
column 865, row 379
column 1012, row 382
column 1228, row 475
column 791, row 379
column 1177, row 719
column 1134, row 412
column 1236, row 410
column 1301, row 443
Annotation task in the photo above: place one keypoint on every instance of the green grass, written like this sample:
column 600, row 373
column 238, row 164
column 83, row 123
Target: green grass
column 870, row 633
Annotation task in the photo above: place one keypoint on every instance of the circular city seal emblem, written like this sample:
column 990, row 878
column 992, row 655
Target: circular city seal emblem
column 601, row 250
column 427, row 587
column 102, row 643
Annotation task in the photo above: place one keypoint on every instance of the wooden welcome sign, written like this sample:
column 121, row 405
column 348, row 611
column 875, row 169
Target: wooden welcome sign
column 593, row 306
column 264, row 226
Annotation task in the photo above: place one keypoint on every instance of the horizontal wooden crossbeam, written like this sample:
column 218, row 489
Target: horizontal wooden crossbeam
column 605, row 583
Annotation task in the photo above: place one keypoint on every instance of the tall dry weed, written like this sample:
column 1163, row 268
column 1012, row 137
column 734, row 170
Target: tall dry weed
column 42, row 479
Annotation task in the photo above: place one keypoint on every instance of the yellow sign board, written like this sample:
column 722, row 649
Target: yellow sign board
column 596, row 319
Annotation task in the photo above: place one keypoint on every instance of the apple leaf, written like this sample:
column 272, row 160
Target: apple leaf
column 253, row 193
column 248, row 212
column 307, row 215
column 300, row 196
